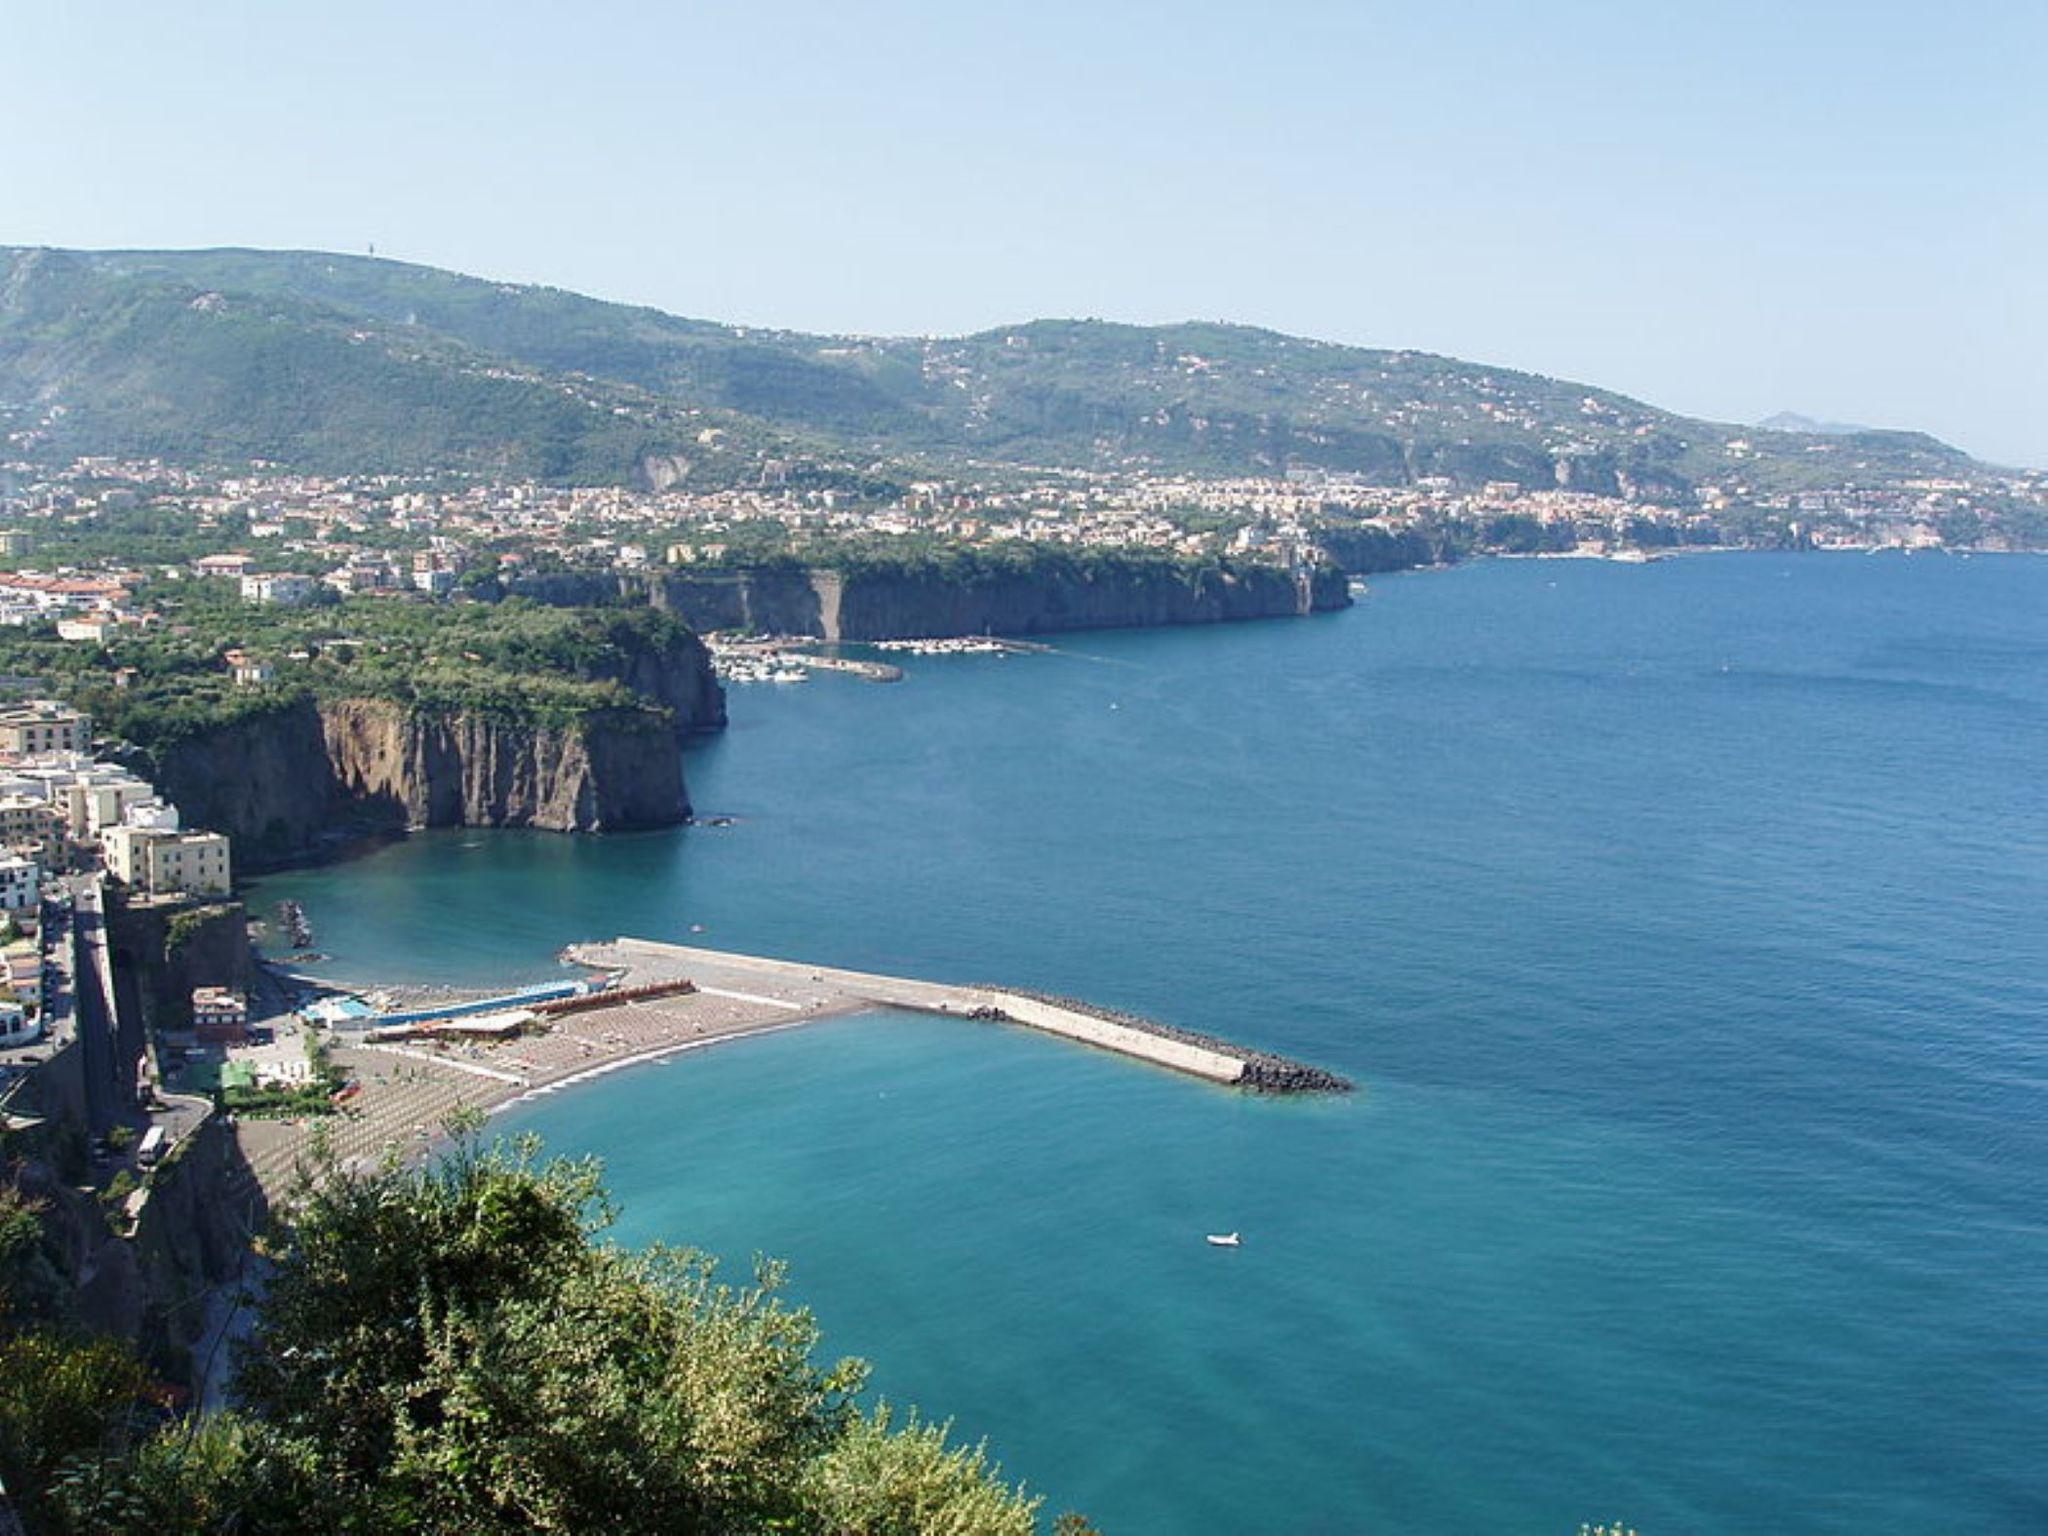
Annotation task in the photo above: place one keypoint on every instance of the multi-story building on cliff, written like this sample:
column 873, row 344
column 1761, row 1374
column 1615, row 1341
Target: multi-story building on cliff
column 42, row 725
column 158, row 860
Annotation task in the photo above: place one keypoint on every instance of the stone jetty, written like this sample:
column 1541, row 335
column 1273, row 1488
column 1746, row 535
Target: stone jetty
column 818, row 990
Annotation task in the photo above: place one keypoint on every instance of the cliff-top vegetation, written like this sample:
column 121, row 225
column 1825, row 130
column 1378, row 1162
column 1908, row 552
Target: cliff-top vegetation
column 456, row 1349
column 928, row 557
column 514, row 662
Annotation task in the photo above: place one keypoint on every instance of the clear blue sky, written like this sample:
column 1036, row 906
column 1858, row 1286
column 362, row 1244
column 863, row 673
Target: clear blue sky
column 1724, row 208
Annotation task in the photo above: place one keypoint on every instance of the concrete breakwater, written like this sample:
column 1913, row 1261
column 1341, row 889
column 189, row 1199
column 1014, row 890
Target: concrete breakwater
column 1263, row 1071
column 819, row 990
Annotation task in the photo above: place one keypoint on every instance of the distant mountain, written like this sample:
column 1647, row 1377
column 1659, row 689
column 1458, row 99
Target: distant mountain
column 1792, row 421
column 351, row 363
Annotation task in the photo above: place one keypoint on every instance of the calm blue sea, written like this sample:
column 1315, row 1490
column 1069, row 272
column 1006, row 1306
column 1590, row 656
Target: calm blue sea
column 1686, row 926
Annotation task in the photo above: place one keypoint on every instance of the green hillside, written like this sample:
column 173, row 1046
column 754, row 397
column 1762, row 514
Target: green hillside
column 351, row 362
column 96, row 361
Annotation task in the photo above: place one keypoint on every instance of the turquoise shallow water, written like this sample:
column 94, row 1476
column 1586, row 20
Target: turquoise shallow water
column 1684, row 923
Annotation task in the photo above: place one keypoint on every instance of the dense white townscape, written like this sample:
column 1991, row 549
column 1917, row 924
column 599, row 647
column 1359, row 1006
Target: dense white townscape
column 294, row 533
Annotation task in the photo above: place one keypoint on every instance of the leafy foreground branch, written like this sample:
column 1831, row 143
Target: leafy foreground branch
column 452, row 1349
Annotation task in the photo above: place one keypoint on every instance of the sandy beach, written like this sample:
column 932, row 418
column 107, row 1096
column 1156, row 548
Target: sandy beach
column 409, row 1089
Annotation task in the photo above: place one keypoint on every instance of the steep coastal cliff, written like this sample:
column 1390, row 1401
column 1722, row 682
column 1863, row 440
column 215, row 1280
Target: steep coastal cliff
column 915, row 604
column 276, row 783
column 263, row 779
column 280, row 774
column 603, row 773
column 912, row 600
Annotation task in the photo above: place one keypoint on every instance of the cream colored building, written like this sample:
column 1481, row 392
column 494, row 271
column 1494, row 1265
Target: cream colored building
column 100, row 797
column 30, row 825
column 156, row 861
column 43, row 725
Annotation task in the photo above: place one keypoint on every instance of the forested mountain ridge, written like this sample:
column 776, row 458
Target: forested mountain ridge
column 355, row 363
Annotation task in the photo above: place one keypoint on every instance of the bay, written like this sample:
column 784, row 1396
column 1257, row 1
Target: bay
column 1682, row 924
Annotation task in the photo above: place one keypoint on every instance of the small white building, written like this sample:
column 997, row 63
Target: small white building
column 23, row 964
column 286, row 589
column 93, row 628
column 16, row 1027
column 21, row 883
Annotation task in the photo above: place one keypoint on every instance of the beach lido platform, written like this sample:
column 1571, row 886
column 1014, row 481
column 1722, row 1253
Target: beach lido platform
column 814, row 991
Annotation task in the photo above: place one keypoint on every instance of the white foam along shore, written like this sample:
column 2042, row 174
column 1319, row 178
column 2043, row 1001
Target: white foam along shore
column 657, row 1053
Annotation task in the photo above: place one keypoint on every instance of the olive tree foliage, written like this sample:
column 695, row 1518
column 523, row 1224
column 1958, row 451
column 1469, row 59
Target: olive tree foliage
column 461, row 1346
column 453, row 1349
column 879, row 1480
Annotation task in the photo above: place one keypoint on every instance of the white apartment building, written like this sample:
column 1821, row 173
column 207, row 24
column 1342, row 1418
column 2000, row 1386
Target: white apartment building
column 88, row 798
column 21, row 883
column 16, row 1027
column 279, row 587
column 157, row 860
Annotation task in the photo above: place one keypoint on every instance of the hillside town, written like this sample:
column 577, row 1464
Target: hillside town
column 90, row 844
column 285, row 537
column 100, row 552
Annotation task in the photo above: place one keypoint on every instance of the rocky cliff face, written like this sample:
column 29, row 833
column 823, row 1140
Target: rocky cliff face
column 279, row 780
column 905, row 606
column 277, row 783
column 772, row 600
column 678, row 678
column 918, row 607
column 263, row 780
column 164, row 952
column 605, row 773
column 1371, row 551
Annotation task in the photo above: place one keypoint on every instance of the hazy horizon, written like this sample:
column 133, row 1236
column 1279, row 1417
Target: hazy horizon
column 1727, row 214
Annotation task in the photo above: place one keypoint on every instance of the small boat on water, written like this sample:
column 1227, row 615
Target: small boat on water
column 1225, row 1240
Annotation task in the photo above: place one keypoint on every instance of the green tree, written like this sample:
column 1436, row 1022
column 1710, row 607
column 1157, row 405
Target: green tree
column 451, row 1350
column 879, row 1480
column 466, row 1355
column 221, row 1473
column 65, row 1403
